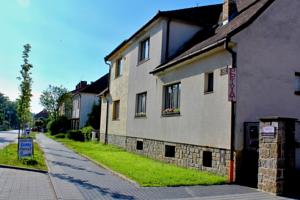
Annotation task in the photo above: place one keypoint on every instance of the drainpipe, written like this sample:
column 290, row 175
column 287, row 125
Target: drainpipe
column 107, row 105
column 167, row 40
column 233, row 115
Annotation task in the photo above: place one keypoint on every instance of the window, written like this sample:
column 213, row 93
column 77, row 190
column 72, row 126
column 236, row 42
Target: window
column 209, row 82
column 119, row 68
column 139, row 145
column 144, row 50
column 141, row 99
column 207, row 159
column 169, row 151
column 116, row 110
column 297, row 83
column 172, row 99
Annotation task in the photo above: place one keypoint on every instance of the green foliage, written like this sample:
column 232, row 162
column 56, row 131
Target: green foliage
column 145, row 171
column 51, row 98
column 87, row 132
column 76, row 135
column 94, row 117
column 24, row 99
column 9, row 156
column 60, row 125
column 60, row 135
column 8, row 113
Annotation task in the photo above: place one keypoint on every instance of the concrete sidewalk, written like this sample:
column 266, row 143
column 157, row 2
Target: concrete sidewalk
column 75, row 177
column 24, row 185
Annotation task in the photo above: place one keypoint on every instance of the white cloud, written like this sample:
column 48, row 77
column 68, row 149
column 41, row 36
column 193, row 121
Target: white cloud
column 24, row 3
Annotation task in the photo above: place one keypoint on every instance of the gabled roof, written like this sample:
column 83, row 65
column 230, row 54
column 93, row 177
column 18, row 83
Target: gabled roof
column 95, row 87
column 202, row 16
column 248, row 11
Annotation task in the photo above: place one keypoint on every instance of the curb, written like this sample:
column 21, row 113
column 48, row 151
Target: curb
column 23, row 168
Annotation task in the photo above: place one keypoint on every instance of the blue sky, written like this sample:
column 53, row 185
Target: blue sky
column 69, row 38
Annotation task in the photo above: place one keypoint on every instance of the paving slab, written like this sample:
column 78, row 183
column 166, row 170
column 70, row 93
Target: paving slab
column 75, row 177
column 20, row 184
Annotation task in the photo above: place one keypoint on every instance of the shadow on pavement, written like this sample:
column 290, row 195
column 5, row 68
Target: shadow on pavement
column 69, row 157
column 89, row 186
column 74, row 167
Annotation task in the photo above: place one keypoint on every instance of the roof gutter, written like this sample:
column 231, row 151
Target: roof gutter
column 189, row 56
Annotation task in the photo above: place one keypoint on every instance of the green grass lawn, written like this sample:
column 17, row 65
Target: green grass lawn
column 145, row 171
column 9, row 156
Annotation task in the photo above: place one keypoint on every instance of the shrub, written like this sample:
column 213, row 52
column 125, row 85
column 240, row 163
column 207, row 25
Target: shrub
column 59, row 125
column 76, row 135
column 87, row 132
column 60, row 135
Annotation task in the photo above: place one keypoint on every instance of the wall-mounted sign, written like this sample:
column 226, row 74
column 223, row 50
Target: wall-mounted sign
column 25, row 147
column 268, row 131
column 232, row 85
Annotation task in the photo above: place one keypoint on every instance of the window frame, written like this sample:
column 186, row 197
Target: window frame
column 137, row 113
column 171, row 110
column 119, row 67
column 297, row 83
column 115, row 115
column 209, row 80
column 142, row 50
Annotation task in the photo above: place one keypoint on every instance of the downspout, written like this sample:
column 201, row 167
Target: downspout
column 107, row 105
column 233, row 115
column 100, row 108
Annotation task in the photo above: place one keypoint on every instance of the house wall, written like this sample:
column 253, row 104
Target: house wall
column 75, row 106
column 86, row 104
column 268, row 55
column 180, row 33
column 204, row 118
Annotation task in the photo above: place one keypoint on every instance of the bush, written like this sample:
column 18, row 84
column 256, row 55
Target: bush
column 76, row 135
column 87, row 132
column 61, row 124
column 60, row 135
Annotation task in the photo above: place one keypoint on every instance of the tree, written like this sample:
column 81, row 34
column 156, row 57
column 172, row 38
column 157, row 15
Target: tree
column 24, row 99
column 94, row 117
column 8, row 113
column 51, row 98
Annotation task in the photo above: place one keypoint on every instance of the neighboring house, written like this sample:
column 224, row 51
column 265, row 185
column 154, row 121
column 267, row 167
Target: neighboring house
column 169, row 95
column 83, row 98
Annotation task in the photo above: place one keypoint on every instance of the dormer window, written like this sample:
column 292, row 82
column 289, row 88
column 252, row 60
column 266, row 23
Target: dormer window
column 119, row 68
column 144, row 50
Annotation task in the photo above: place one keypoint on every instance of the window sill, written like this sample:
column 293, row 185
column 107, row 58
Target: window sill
column 140, row 116
column 142, row 61
column 118, row 77
column 297, row 92
column 209, row 92
column 115, row 119
column 170, row 115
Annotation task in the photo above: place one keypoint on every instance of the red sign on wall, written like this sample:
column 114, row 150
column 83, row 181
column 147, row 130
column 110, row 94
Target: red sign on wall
column 232, row 85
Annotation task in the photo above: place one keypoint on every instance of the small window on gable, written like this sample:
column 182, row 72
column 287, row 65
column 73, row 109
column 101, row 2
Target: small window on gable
column 119, row 67
column 144, row 50
column 297, row 83
column 116, row 110
column 209, row 82
column 139, row 145
column 169, row 151
column 207, row 159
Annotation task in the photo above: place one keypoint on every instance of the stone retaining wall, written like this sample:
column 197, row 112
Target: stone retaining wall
column 118, row 140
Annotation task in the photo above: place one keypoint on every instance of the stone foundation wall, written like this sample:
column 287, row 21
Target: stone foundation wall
column 186, row 155
column 117, row 140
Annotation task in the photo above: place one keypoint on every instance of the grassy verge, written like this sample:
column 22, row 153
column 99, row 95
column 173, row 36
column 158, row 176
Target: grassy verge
column 9, row 156
column 145, row 171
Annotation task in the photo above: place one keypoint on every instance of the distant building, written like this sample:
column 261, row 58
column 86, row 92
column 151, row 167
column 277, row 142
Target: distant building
column 83, row 99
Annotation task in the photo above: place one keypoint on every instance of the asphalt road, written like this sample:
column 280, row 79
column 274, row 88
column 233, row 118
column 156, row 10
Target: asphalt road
column 7, row 137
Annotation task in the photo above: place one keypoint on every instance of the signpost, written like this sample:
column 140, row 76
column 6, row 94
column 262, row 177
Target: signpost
column 25, row 147
column 232, row 85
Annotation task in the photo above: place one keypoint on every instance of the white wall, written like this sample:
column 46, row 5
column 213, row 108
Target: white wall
column 180, row 33
column 75, row 106
column 86, row 104
column 205, row 118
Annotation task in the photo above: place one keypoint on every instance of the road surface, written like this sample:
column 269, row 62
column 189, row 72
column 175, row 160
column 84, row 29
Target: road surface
column 7, row 137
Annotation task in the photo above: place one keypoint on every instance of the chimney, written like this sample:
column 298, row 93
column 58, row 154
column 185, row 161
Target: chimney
column 229, row 8
column 81, row 84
